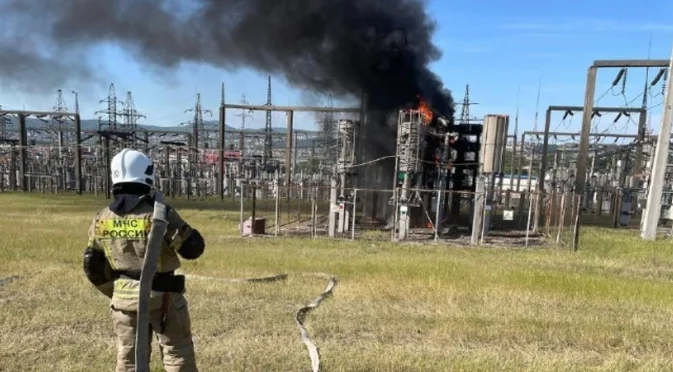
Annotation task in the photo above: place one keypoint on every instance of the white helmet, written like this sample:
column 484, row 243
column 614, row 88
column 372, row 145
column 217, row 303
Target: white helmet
column 131, row 166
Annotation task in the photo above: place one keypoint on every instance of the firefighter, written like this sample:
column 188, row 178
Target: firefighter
column 113, row 260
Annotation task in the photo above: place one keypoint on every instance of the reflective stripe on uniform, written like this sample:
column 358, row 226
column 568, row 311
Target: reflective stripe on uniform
column 129, row 289
column 108, row 254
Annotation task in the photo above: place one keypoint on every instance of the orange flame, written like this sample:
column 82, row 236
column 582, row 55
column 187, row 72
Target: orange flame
column 425, row 110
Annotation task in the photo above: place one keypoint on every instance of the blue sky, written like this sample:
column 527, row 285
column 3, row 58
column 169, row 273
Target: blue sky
column 495, row 49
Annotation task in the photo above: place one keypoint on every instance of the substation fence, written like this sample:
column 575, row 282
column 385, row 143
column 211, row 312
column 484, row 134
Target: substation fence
column 531, row 219
column 369, row 215
column 561, row 220
column 615, row 208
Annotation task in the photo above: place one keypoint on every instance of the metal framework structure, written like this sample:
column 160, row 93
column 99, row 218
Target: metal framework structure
column 22, row 143
column 588, row 109
column 289, row 110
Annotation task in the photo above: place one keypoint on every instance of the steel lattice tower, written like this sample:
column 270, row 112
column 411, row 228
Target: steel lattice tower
column 198, row 128
column 57, row 124
column 465, row 112
column 242, row 115
column 130, row 115
column 59, row 106
column 268, row 139
column 111, row 112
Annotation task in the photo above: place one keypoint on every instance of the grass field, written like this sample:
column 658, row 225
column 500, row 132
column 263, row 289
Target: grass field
column 608, row 307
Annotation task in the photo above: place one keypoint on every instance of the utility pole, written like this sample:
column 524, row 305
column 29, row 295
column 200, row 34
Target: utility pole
column 221, row 144
column 652, row 211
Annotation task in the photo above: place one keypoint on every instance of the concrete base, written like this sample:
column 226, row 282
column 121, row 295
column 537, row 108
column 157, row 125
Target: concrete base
column 259, row 227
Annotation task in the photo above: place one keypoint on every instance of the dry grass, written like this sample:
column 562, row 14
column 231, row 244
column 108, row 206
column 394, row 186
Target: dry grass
column 396, row 308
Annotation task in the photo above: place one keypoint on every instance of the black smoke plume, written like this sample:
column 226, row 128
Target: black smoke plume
column 345, row 47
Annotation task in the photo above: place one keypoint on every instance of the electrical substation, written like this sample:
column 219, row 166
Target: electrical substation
column 410, row 175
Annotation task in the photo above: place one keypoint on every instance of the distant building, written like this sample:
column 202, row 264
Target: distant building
column 509, row 182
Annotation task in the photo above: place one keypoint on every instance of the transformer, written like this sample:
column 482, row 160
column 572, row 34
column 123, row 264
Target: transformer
column 347, row 134
column 411, row 128
column 347, row 144
column 408, row 159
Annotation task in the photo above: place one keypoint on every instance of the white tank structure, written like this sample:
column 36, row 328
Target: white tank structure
column 493, row 143
column 492, row 158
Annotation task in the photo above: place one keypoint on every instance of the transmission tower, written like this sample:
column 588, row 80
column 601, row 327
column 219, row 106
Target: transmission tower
column 130, row 115
column 200, row 137
column 465, row 112
column 242, row 115
column 57, row 124
column 59, row 106
column 268, row 139
column 111, row 111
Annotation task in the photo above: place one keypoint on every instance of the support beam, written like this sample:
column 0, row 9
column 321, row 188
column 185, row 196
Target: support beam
column 521, row 156
column 543, row 170
column 652, row 211
column 512, row 165
column 288, row 152
column 106, row 156
column 597, row 109
column 569, row 134
column 587, row 116
column 23, row 151
column 220, row 154
column 631, row 63
column 293, row 108
column 152, row 132
column 78, row 154
column 39, row 114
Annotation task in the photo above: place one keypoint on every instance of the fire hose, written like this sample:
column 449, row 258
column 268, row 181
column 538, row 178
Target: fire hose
column 300, row 315
column 156, row 236
column 157, row 231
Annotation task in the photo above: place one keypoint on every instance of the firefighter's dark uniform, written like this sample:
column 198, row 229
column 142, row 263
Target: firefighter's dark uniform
column 113, row 259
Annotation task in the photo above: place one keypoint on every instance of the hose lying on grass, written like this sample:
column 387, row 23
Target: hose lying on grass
column 8, row 280
column 301, row 313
